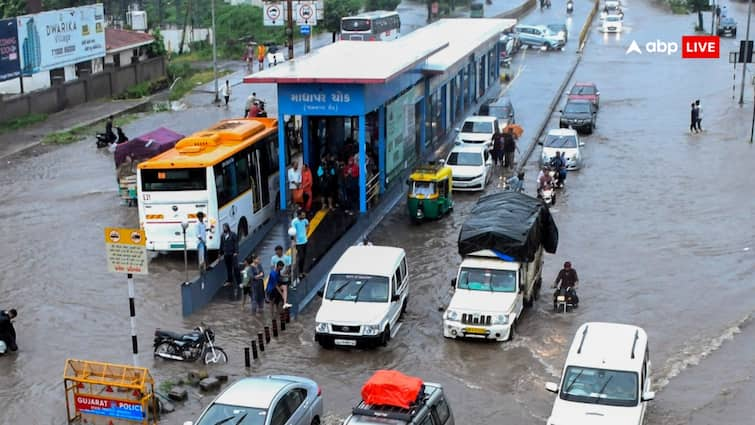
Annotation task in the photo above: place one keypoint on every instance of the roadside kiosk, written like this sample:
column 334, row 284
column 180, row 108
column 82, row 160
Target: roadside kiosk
column 110, row 394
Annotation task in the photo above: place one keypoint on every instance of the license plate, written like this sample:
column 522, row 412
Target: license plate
column 176, row 246
column 561, row 298
column 476, row 331
column 349, row 342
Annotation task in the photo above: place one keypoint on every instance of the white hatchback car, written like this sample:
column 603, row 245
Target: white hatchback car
column 612, row 24
column 478, row 130
column 606, row 378
column 563, row 140
column 471, row 167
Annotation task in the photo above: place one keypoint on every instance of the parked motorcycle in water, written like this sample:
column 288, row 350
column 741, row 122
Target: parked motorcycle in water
column 569, row 7
column 189, row 346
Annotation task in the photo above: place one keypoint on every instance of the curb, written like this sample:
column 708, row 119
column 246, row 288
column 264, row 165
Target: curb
column 518, row 11
column 587, row 25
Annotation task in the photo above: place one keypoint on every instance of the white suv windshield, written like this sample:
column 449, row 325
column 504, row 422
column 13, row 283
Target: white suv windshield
column 487, row 280
column 349, row 287
column 477, row 127
column 599, row 386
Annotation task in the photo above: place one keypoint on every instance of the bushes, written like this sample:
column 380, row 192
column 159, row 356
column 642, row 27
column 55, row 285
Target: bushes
column 144, row 89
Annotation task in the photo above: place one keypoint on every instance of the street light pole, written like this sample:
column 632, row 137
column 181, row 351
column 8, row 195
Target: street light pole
column 214, row 62
column 744, row 60
column 184, row 226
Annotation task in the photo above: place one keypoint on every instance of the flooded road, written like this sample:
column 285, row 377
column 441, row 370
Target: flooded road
column 658, row 224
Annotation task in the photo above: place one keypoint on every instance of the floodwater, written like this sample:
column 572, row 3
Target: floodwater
column 658, row 224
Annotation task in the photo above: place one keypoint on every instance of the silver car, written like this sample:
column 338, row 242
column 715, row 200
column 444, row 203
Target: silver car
column 539, row 36
column 269, row 400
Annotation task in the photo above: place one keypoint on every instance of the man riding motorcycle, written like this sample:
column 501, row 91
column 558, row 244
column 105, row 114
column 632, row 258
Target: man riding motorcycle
column 567, row 279
column 7, row 332
column 558, row 164
column 544, row 181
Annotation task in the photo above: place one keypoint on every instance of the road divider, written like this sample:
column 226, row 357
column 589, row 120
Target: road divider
column 587, row 25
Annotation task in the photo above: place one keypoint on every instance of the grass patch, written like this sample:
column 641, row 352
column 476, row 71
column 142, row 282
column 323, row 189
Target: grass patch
column 197, row 78
column 22, row 122
column 191, row 57
column 166, row 386
column 80, row 133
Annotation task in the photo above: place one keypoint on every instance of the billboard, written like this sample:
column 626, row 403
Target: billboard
column 9, row 59
column 58, row 38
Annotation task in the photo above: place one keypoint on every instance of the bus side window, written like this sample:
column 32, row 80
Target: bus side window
column 223, row 191
column 243, row 183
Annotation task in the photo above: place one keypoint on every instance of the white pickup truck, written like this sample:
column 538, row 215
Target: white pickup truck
column 501, row 271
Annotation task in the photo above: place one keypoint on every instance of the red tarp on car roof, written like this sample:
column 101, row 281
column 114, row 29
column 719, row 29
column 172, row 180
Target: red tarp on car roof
column 391, row 388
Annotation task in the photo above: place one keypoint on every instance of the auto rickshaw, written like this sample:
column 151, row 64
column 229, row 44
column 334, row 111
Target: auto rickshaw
column 430, row 189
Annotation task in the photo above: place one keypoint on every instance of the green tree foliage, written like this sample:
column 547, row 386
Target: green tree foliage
column 236, row 25
column 157, row 48
column 337, row 9
column 381, row 4
column 11, row 8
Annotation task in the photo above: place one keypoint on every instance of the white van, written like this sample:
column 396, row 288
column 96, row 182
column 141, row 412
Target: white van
column 606, row 378
column 365, row 295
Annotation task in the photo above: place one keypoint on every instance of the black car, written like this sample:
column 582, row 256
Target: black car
column 580, row 115
column 727, row 26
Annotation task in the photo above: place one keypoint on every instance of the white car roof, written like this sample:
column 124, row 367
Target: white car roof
column 480, row 118
column 562, row 132
column 371, row 260
column 612, row 346
column 475, row 148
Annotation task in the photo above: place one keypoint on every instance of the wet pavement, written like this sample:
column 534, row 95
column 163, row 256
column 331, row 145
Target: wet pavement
column 658, row 224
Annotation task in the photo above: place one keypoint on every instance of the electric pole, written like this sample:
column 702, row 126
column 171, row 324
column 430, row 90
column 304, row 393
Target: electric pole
column 747, row 54
column 290, row 27
column 214, row 52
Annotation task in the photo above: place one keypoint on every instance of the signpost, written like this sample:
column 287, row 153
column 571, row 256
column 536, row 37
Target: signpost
column 273, row 14
column 126, row 251
column 305, row 30
column 306, row 13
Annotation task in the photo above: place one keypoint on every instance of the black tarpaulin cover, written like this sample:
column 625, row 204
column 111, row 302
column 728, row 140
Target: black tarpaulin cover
column 512, row 224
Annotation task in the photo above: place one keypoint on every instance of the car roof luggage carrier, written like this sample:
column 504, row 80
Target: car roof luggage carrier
column 392, row 395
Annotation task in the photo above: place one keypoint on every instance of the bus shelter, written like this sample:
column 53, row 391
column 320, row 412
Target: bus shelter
column 106, row 393
column 386, row 101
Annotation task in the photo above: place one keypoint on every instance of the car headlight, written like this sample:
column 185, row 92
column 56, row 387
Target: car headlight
column 371, row 329
column 479, row 176
column 452, row 315
column 500, row 319
column 321, row 327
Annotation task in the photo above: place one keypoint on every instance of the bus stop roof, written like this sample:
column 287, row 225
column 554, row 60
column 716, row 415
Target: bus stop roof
column 463, row 36
column 352, row 62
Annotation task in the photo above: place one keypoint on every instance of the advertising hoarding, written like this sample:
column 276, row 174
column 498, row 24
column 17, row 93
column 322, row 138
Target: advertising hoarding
column 10, row 67
column 58, row 38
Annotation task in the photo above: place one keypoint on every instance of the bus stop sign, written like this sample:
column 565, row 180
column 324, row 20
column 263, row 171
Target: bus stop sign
column 305, row 29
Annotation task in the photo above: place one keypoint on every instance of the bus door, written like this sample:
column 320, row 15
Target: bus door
column 225, row 184
column 256, row 178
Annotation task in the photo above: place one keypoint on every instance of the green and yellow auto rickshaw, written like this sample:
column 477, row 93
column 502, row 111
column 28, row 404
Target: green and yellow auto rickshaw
column 430, row 190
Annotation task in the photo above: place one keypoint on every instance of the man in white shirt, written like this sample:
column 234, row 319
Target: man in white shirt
column 294, row 179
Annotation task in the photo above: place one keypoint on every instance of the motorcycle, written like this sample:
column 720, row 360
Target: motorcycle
column 569, row 7
column 545, row 4
column 564, row 298
column 189, row 346
column 557, row 184
column 103, row 140
column 3, row 347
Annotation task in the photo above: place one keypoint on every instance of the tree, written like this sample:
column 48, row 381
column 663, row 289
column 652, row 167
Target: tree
column 337, row 9
column 381, row 4
column 698, row 6
column 12, row 8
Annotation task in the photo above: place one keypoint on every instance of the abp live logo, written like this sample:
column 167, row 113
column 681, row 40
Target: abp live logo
column 693, row 47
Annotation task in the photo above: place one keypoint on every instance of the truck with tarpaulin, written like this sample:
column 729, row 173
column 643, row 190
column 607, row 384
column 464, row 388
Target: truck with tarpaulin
column 502, row 246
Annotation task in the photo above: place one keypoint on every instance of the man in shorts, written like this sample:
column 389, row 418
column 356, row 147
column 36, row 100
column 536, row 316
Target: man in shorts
column 274, row 284
column 285, row 273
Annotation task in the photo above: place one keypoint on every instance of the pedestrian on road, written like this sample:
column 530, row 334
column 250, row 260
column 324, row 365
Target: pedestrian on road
column 7, row 331
column 226, row 92
column 509, row 147
column 693, row 119
column 699, row 116
column 284, row 272
column 294, row 183
column 111, row 137
column 245, row 285
column 497, row 148
column 273, row 291
column 325, row 181
column 351, row 175
column 229, row 252
column 515, row 183
column 202, row 241
column 250, row 101
column 257, row 285
column 301, row 225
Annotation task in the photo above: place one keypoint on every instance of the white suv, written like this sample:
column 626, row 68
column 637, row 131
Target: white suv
column 606, row 378
column 478, row 130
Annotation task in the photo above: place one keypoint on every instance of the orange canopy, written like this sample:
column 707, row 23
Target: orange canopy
column 391, row 388
column 516, row 129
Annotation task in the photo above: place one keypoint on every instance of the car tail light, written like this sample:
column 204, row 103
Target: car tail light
column 319, row 391
column 372, row 38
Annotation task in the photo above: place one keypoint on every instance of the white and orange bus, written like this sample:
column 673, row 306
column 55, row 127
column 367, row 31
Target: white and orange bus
column 229, row 172
column 371, row 26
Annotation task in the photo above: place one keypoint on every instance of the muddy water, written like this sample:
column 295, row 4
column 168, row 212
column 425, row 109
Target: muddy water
column 658, row 224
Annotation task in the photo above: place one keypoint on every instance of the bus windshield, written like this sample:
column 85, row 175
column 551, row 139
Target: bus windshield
column 174, row 180
column 355, row 24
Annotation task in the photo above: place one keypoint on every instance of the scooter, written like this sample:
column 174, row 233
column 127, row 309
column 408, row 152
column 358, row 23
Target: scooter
column 189, row 346
column 548, row 195
column 102, row 140
column 564, row 298
column 569, row 7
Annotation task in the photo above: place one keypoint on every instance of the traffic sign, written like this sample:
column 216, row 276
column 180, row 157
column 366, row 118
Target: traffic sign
column 126, row 250
column 305, row 29
column 306, row 13
column 274, row 15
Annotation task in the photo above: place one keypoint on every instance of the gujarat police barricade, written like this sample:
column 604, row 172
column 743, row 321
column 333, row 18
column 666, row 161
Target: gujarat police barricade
column 108, row 394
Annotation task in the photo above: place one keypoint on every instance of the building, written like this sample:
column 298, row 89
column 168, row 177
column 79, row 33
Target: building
column 124, row 47
column 395, row 101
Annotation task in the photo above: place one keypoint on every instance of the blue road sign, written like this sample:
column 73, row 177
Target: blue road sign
column 305, row 29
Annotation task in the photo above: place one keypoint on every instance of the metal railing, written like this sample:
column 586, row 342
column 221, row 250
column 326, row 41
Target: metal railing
column 373, row 189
